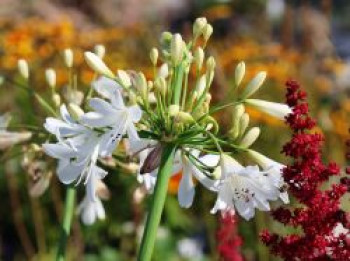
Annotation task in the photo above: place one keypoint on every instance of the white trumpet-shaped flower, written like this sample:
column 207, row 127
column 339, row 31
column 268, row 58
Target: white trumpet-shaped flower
column 113, row 116
column 90, row 211
column 181, row 165
column 77, row 150
column 278, row 110
column 243, row 189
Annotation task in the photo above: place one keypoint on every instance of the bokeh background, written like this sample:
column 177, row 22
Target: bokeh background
column 305, row 40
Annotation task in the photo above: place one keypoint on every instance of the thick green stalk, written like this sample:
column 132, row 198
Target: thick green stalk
column 157, row 205
column 67, row 221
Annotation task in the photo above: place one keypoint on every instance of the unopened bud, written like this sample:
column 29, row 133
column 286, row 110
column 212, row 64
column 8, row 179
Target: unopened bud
column 199, row 57
column 254, row 85
column 199, row 26
column 250, row 137
column 174, row 110
column 211, row 63
column 184, row 117
column 124, row 78
column 23, row 68
column 97, row 64
column 239, row 73
column 201, row 85
column 207, row 32
column 163, row 70
column 243, row 123
column 68, row 57
column 166, row 38
column 177, row 49
column 154, row 56
column 100, row 50
column 56, row 100
column 237, row 114
column 160, row 85
column 75, row 111
column 141, row 84
column 50, row 76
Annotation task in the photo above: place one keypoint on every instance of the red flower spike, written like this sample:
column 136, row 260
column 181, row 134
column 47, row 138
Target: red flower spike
column 321, row 212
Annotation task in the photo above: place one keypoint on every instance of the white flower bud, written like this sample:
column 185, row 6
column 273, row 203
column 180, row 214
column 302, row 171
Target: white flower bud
column 100, row 50
column 239, row 73
column 198, row 26
column 250, row 137
column 278, row 110
column 68, row 57
column 166, row 38
column 174, row 110
column 201, row 84
column 262, row 160
column 163, row 70
column 199, row 57
column 56, row 100
column 160, row 85
column 177, row 49
column 237, row 114
column 211, row 63
column 50, row 76
column 97, row 64
column 154, row 56
column 75, row 111
column 23, row 68
column 124, row 78
column 243, row 123
column 254, row 85
column 184, row 117
column 207, row 32
column 141, row 84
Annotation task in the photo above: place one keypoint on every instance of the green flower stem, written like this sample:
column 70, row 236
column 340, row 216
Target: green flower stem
column 67, row 221
column 157, row 205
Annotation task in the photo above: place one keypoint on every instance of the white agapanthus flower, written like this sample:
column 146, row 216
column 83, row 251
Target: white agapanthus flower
column 243, row 189
column 181, row 165
column 90, row 211
column 116, row 118
column 77, row 150
column 273, row 171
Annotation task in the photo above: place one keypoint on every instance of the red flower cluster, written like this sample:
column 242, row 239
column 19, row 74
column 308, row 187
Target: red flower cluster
column 320, row 213
column 229, row 241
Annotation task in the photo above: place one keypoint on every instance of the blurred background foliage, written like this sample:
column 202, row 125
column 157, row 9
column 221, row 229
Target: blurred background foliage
column 305, row 40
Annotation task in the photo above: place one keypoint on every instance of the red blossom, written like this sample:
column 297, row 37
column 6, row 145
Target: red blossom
column 228, row 240
column 320, row 212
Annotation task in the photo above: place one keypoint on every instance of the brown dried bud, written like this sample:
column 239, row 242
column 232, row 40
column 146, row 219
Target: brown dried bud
column 152, row 160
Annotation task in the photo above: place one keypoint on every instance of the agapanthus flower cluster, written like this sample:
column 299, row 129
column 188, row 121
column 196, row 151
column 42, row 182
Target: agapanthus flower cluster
column 324, row 224
column 146, row 115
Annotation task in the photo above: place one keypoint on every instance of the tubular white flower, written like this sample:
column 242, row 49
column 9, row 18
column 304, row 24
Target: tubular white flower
column 100, row 50
column 90, row 211
column 254, row 85
column 250, row 137
column 243, row 189
column 278, row 110
column 68, row 57
column 163, row 71
column 273, row 170
column 177, row 49
column 117, row 118
column 97, row 64
column 239, row 73
column 50, row 76
column 182, row 165
column 23, row 68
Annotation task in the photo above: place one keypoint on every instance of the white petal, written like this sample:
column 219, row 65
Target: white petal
column 58, row 151
column 98, row 120
column 67, row 173
column 135, row 113
column 88, row 216
column 229, row 165
column 132, row 132
column 117, row 100
column 278, row 110
column 101, row 106
column 106, row 87
column 186, row 188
